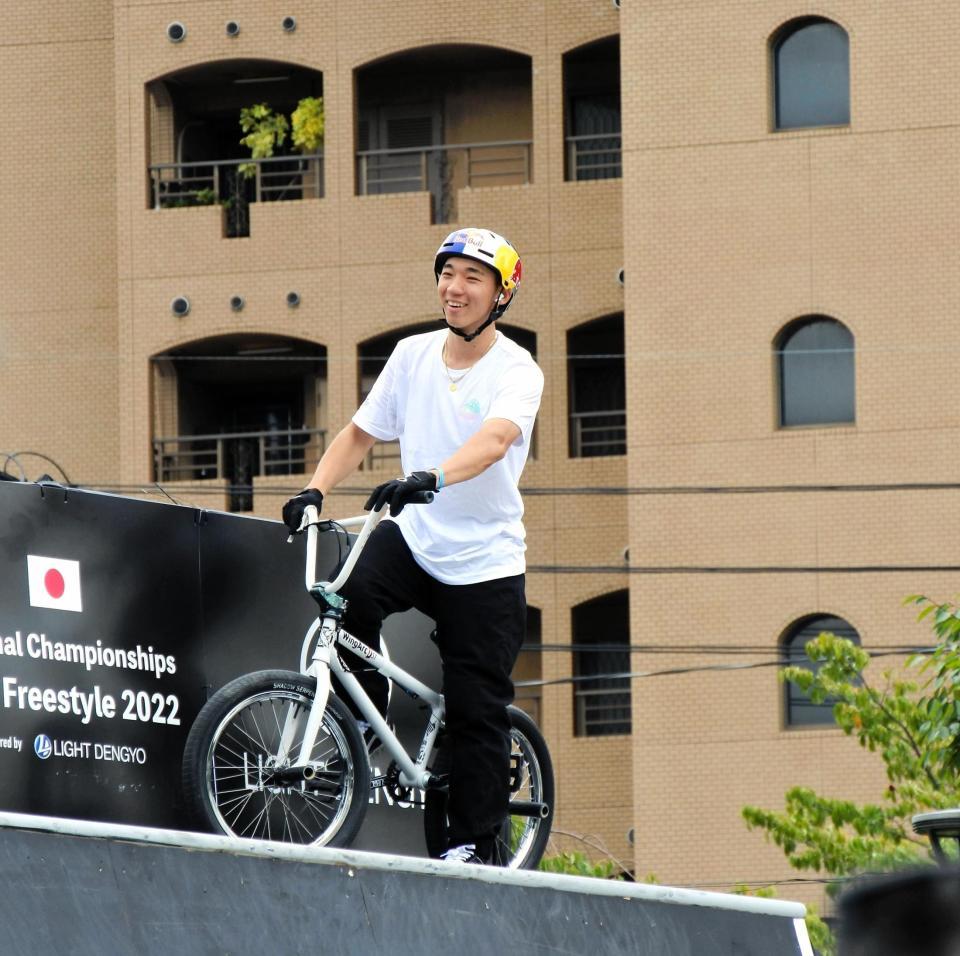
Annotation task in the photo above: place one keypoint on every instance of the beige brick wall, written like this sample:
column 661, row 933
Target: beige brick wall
column 58, row 332
column 726, row 231
column 730, row 232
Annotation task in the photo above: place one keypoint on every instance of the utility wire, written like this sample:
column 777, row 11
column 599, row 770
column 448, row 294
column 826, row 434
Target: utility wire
column 675, row 671
column 603, row 490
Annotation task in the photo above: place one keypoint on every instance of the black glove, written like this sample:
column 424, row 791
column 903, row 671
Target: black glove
column 293, row 510
column 399, row 491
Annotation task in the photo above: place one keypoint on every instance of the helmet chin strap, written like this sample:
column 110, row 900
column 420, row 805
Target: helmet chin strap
column 495, row 314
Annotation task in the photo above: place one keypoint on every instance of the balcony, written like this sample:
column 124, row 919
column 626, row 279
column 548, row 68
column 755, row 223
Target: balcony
column 194, row 149
column 224, row 182
column 205, row 457
column 236, row 407
column 424, row 124
column 442, row 170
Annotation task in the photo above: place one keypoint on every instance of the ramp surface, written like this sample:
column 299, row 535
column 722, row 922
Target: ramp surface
column 78, row 887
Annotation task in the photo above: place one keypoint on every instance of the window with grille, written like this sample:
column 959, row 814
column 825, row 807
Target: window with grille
column 601, row 660
column 597, row 388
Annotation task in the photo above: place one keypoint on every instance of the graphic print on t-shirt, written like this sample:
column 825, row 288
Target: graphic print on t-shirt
column 471, row 410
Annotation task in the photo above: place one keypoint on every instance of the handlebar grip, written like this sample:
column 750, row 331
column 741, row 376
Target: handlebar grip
column 421, row 498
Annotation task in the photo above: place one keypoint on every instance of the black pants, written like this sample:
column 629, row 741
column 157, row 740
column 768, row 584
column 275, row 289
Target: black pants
column 480, row 628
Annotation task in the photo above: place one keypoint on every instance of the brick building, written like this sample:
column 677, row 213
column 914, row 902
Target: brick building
column 735, row 220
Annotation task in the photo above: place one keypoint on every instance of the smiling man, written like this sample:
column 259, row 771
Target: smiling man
column 462, row 402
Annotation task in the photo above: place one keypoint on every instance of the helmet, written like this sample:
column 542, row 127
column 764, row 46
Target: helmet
column 486, row 247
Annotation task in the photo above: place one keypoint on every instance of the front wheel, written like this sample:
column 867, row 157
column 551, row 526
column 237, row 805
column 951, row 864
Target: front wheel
column 234, row 783
column 524, row 833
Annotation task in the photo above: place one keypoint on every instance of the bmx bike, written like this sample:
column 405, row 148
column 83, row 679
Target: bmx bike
column 277, row 755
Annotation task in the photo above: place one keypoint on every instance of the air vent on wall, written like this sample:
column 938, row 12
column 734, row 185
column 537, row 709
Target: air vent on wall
column 176, row 31
column 620, row 276
column 180, row 306
column 293, row 299
column 237, row 302
column 232, row 28
column 289, row 24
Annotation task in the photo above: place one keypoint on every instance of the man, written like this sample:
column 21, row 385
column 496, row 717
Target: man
column 462, row 401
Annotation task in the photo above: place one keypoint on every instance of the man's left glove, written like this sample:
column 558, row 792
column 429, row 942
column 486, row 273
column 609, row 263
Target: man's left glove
column 399, row 491
column 293, row 510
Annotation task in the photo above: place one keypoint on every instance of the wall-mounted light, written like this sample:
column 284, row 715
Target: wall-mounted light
column 232, row 28
column 237, row 302
column 620, row 276
column 176, row 31
column 180, row 306
column 293, row 299
column 289, row 24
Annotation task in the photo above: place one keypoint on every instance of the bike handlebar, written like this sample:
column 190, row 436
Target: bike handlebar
column 310, row 522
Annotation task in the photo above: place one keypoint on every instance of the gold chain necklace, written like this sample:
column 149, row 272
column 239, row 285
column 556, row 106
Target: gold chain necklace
column 454, row 382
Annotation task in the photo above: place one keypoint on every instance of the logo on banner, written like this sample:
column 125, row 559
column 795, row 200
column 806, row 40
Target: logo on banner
column 54, row 583
column 42, row 746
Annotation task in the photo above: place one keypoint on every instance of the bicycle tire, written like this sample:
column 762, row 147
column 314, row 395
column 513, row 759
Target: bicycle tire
column 523, row 838
column 227, row 765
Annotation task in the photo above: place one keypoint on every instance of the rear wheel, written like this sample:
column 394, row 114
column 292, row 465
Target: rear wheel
column 524, row 834
column 233, row 782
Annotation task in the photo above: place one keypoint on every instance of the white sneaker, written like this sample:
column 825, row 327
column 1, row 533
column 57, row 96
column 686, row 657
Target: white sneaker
column 465, row 853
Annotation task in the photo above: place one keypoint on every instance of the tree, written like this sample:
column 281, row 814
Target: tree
column 912, row 725
column 266, row 131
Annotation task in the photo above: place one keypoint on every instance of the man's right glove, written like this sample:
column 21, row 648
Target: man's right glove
column 399, row 491
column 293, row 510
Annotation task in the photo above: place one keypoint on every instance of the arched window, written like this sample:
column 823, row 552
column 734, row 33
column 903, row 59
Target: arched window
column 800, row 711
column 591, row 84
column 597, row 388
column 815, row 369
column 601, row 639
column 811, row 74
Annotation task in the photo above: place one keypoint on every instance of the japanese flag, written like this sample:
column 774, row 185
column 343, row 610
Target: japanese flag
column 54, row 582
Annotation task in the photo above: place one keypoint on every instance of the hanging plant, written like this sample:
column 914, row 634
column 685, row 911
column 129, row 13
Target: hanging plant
column 308, row 124
column 265, row 131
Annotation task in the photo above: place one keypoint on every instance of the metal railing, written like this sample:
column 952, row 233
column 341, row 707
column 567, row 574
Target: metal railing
column 602, row 711
column 383, row 452
column 225, row 182
column 441, row 170
column 597, row 156
column 237, row 456
column 593, row 434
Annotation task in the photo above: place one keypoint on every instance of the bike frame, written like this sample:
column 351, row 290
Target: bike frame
column 324, row 634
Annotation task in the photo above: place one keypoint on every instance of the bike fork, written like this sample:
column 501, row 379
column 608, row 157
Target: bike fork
column 319, row 669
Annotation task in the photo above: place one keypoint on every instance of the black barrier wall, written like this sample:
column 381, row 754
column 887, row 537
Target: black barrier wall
column 118, row 618
column 141, row 892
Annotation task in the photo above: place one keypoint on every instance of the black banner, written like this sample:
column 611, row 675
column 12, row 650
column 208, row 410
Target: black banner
column 118, row 618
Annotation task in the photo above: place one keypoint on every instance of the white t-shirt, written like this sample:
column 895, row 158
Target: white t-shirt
column 473, row 530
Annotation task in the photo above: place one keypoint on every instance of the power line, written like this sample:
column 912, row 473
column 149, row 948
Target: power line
column 719, row 650
column 675, row 671
column 604, row 490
